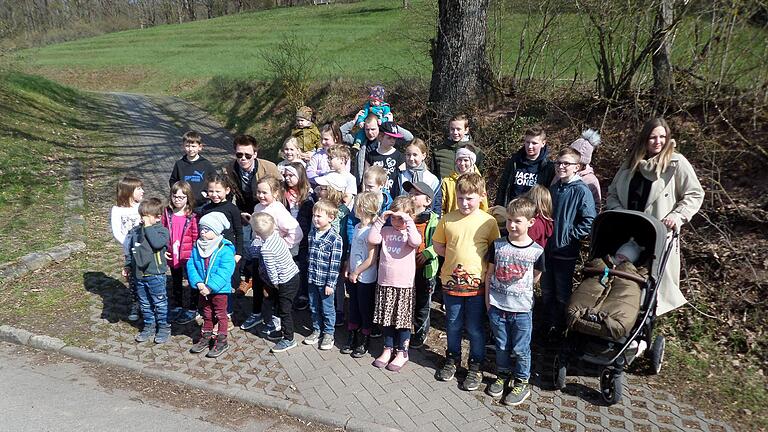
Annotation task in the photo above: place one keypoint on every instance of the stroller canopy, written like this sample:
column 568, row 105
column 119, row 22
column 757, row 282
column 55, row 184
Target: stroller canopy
column 613, row 228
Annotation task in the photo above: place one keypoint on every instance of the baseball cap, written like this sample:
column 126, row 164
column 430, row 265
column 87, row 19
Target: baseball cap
column 391, row 129
column 421, row 187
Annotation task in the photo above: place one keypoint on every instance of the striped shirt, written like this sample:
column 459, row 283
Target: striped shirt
column 325, row 251
column 276, row 264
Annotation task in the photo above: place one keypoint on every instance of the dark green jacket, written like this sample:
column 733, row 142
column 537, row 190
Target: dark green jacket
column 444, row 157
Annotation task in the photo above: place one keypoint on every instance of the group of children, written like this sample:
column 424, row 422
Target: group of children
column 376, row 228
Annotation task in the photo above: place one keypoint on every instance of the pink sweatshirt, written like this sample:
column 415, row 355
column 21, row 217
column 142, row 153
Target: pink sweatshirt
column 397, row 259
column 289, row 228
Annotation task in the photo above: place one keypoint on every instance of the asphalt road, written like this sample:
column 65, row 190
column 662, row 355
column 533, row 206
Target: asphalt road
column 49, row 392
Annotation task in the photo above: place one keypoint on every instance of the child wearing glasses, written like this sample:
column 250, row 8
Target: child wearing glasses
column 573, row 210
column 181, row 222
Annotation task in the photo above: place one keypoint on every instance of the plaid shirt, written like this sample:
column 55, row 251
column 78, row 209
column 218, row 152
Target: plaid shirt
column 325, row 253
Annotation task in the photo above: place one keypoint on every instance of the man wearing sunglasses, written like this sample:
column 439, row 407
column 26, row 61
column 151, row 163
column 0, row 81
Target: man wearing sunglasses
column 243, row 175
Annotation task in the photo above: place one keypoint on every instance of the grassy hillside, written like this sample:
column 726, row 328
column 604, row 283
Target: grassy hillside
column 368, row 40
column 40, row 123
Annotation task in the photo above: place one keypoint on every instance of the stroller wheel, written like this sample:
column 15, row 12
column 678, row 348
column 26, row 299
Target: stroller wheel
column 657, row 354
column 611, row 385
column 559, row 372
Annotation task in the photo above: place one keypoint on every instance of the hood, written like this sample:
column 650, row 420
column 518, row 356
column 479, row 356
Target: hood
column 522, row 159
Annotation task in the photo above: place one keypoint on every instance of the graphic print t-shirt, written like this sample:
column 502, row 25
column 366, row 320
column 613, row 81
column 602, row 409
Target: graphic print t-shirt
column 512, row 282
column 390, row 163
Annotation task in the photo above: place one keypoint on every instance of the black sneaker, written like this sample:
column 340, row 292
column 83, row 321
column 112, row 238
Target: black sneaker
column 417, row 341
column 349, row 346
column 376, row 331
column 474, row 377
column 202, row 344
column 496, row 388
column 361, row 347
column 219, row 347
column 448, row 370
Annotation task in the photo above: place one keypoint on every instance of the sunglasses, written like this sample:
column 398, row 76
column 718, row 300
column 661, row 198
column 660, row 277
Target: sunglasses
column 244, row 155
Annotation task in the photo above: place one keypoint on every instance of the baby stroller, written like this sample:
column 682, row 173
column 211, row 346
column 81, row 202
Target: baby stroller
column 589, row 339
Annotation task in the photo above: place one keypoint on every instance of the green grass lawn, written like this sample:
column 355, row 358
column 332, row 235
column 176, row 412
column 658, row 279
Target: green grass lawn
column 364, row 41
column 40, row 121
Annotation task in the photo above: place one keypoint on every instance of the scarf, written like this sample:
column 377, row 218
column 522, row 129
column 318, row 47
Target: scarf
column 207, row 247
column 649, row 168
column 417, row 173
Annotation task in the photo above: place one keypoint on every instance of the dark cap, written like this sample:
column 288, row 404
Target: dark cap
column 391, row 129
column 422, row 187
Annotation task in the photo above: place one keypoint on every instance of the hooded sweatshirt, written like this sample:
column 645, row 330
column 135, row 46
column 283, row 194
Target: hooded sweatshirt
column 194, row 173
column 521, row 174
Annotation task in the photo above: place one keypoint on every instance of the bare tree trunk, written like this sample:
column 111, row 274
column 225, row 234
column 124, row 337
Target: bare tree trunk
column 406, row 4
column 663, row 80
column 458, row 54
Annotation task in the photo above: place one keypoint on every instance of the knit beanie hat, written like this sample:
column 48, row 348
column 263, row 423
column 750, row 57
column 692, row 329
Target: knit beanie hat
column 305, row 113
column 630, row 250
column 377, row 92
column 466, row 153
column 589, row 141
column 215, row 221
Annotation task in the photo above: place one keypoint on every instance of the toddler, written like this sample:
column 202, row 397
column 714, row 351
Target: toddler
column 306, row 133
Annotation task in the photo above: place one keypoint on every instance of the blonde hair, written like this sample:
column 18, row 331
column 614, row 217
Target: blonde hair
column 186, row 188
column 124, row 190
column 276, row 186
column 419, row 144
column 290, row 140
column 640, row 148
column 377, row 174
column 367, row 204
column 402, row 203
column 470, row 183
column 542, row 199
column 327, row 207
column 339, row 150
column 263, row 224
column 521, row 207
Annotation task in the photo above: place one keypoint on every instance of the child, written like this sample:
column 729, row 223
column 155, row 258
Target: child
column 148, row 243
column 415, row 170
column 463, row 237
column 372, row 133
column 300, row 200
column 375, row 106
column 422, row 195
column 325, row 255
column 181, row 222
column 528, row 167
column 573, row 210
column 586, row 145
column 387, row 156
column 192, row 168
column 123, row 217
column 543, row 224
column 306, row 133
column 338, row 161
column 269, row 193
column 361, row 274
column 318, row 163
column 515, row 263
column 465, row 163
column 394, row 288
column 209, row 270
column 278, row 270
column 218, row 190
column 458, row 137
column 290, row 153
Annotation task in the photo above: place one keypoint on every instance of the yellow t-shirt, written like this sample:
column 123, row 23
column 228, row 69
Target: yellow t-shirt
column 466, row 240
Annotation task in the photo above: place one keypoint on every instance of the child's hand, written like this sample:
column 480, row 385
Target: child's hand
column 421, row 259
column 204, row 290
column 352, row 277
column 246, row 218
column 384, row 216
column 329, row 290
column 237, row 258
column 266, row 293
column 126, row 274
column 168, row 256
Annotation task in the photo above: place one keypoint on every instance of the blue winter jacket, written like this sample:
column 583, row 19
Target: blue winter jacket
column 573, row 210
column 218, row 276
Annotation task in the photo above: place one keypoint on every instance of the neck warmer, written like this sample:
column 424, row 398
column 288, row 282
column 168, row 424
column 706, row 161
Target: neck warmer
column 207, row 247
column 417, row 173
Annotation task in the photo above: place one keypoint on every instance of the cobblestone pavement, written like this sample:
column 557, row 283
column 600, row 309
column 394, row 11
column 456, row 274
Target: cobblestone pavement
column 409, row 400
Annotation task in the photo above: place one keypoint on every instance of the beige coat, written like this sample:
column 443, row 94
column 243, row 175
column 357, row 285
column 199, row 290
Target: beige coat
column 676, row 194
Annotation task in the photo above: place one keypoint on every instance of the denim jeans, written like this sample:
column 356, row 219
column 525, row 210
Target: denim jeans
column 512, row 334
column 323, row 309
column 396, row 338
column 153, row 300
column 465, row 313
column 556, row 289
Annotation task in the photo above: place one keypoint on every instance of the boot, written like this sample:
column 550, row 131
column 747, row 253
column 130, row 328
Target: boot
column 361, row 346
column 203, row 343
column 219, row 347
column 351, row 342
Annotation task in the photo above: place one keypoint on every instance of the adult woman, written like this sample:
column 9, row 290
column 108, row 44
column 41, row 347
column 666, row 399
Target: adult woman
column 660, row 182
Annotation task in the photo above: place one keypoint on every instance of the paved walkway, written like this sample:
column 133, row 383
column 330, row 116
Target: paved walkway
column 410, row 400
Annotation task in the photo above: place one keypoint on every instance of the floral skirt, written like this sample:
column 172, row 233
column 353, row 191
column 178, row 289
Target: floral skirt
column 394, row 306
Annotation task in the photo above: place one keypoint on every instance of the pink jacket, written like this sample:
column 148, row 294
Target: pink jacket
column 188, row 237
column 397, row 259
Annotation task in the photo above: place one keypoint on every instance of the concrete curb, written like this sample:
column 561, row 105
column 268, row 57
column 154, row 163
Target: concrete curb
column 46, row 343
